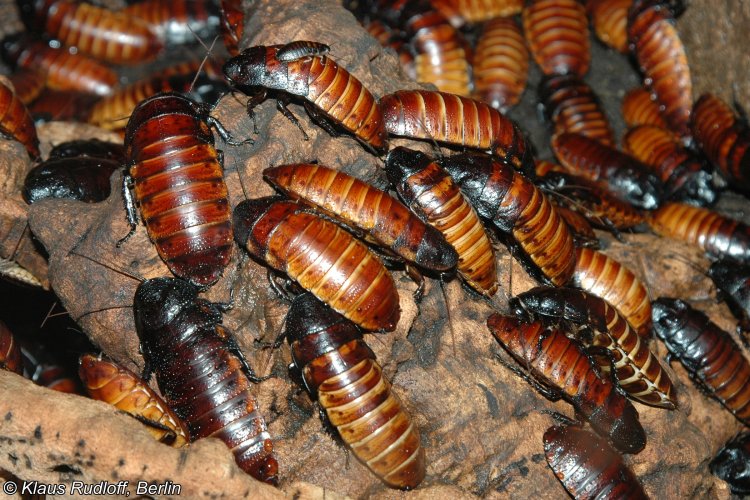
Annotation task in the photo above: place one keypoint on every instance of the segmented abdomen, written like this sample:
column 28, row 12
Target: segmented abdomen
column 16, row 121
column 178, row 21
column 10, row 352
column 610, row 21
column 638, row 108
column 476, row 11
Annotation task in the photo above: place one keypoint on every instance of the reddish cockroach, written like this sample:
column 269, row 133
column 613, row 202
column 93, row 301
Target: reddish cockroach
column 638, row 108
column 16, row 122
column 10, row 352
column 610, row 21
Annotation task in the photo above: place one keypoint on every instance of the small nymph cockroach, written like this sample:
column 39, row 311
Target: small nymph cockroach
column 16, row 122
column 712, row 359
column 232, row 25
column 83, row 178
column 460, row 12
column 639, row 108
column 733, row 283
column 322, row 257
column 732, row 463
column 178, row 22
column 610, row 21
column 559, row 368
column 107, row 381
column 341, row 371
column 332, row 96
column 201, row 372
column 10, row 352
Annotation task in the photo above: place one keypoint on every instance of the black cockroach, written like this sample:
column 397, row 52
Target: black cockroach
column 88, row 147
column 10, row 352
column 178, row 22
column 610, row 21
column 83, row 178
column 16, row 122
column 732, row 463
column 733, row 282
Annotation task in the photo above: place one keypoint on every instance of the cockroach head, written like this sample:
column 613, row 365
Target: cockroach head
column 308, row 316
column 668, row 315
column 403, row 162
column 247, row 68
column 159, row 301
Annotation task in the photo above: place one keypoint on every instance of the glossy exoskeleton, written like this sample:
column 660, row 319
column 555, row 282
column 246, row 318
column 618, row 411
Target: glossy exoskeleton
column 559, row 368
column 84, row 178
column 10, row 352
column 88, row 147
column 16, row 122
column 459, row 12
column 609, row 19
column 712, row 359
column 201, row 373
column 638, row 108
column 733, row 282
column 340, row 370
column 178, row 22
column 732, row 463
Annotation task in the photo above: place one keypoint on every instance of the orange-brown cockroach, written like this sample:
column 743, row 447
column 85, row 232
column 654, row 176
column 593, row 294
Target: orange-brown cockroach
column 610, row 21
column 322, row 257
column 459, row 12
column 638, row 108
column 10, row 352
column 341, row 371
column 28, row 83
column 107, row 381
column 16, row 122
column 232, row 25
column 557, row 32
column 501, row 64
column 559, row 368
column 178, row 22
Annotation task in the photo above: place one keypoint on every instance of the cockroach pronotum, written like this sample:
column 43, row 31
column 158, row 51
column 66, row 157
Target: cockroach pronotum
column 582, row 231
column 513, row 204
column 610, row 21
column 16, row 122
column 638, row 108
column 332, row 96
column 105, row 380
column 232, row 25
column 732, row 463
column 712, row 359
column 366, row 208
column 84, row 178
column 460, row 12
column 322, row 257
column 557, row 32
column 178, row 183
column 587, row 466
column 201, row 373
column 178, row 22
column 559, row 368
column 10, row 352
column 431, row 193
column 341, row 371
column 733, row 282
column 28, row 83
column 637, row 371
column 626, row 177
column 456, row 120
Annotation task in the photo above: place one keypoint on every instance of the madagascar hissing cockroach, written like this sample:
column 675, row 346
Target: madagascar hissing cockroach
column 28, row 83
column 599, row 325
column 588, row 467
column 557, row 32
column 558, row 367
column 638, row 108
column 458, row 121
column 178, row 183
column 686, row 177
column 610, row 21
column 201, row 372
column 381, row 217
column 712, row 359
column 732, row 463
column 232, row 25
column 322, row 257
column 582, row 231
column 178, row 22
column 733, row 283
column 513, row 204
column 16, row 122
column 660, row 54
column 332, row 96
column 459, row 12
column 45, row 370
column 83, row 178
column 428, row 190
column 626, row 177
column 717, row 235
column 105, row 380
column 10, row 352
column 340, row 370
column 88, row 147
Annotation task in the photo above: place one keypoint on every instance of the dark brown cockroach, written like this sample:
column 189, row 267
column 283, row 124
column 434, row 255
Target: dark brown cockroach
column 501, row 64
column 201, row 373
column 712, row 359
column 724, row 138
column 557, row 32
column 10, row 352
column 431, row 193
column 456, row 120
column 178, row 183
column 638, row 108
column 572, row 106
column 381, row 217
column 637, row 371
column 732, row 463
column 16, row 122
column 626, row 177
column 559, row 368
column 460, row 12
column 322, row 257
column 62, row 105
column 340, row 370
column 332, row 96
column 232, row 25
column 580, row 228
column 717, row 235
column 28, row 83
column 610, row 21
column 513, row 204
column 79, row 178
column 686, row 177
column 88, row 147
column 606, row 278
column 105, row 380
column 587, row 466
column 733, row 283
column 660, row 54
column 178, row 22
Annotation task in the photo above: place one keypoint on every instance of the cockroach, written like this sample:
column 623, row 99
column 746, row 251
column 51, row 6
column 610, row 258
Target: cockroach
column 604, row 277
column 626, row 177
column 105, row 380
column 456, row 120
column 460, row 12
column 178, row 22
column 733, row 282
column 16, row 122
column 365, row 208
column 332, row 96
column 717, row 235
column 322, row 257
column 43, row 370
column 653, row 39
column 587, row 466
column 430, row 192
column 543, row 167
column 178, row 183
column 501, row 64
column 712, row 359
column 559, row 368
column 580, row 228
column 686, row 177
column 81, row 178
column 28, row 84
column 62, row 105
column 387, row 38
column 572, row 106
column 88, row 147
column 10, row 352
column 610, row 21
column 232, row 25
column 340, row 370
column 557, row 32
column 513, row 204
column 638, row 108
column 637, row 371
column 732, row 463
column 201, row 373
